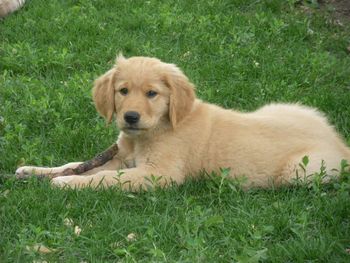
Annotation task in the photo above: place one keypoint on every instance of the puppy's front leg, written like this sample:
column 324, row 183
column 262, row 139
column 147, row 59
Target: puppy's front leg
column 132, row 179
column 25, row 171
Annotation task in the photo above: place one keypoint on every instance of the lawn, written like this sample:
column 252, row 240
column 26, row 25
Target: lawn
column 240, row 54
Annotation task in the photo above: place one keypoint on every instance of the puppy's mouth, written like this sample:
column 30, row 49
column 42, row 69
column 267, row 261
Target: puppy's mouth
column 132, row 129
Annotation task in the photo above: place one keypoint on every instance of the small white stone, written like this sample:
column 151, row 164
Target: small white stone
column 68, row 222
column 131, row 237
column 77, row 230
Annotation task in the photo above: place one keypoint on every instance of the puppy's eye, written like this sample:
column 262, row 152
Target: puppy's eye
column 124, row 91
column 151, row 94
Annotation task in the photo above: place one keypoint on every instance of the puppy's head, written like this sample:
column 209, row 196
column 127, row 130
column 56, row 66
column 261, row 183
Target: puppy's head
column 144, row 94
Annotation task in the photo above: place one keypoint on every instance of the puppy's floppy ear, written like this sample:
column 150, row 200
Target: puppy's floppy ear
column 182, row 93
column 103, row 91
column 103, row 94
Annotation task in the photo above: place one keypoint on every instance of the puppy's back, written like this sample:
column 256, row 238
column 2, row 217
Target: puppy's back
column 9, row 6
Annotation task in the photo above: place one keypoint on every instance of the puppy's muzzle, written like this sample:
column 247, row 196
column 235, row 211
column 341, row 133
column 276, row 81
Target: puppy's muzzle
column 132, row 117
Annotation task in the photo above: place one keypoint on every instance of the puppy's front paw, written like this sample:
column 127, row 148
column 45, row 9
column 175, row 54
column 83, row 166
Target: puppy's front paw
column 62, row 181
column 25, row 171
column 73, row 181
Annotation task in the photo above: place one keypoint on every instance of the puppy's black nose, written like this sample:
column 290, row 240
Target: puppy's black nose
column 131, row 117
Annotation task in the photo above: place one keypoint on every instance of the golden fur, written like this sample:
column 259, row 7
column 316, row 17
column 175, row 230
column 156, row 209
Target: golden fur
column 178, row 135
column 9, row 6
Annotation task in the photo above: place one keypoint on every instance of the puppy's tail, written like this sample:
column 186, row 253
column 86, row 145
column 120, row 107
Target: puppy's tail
column 9, row 6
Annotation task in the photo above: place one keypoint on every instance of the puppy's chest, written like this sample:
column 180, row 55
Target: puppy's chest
column 129, row 163
column 141, row 156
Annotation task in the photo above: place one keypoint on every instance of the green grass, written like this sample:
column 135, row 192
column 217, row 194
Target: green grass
column 240, row 54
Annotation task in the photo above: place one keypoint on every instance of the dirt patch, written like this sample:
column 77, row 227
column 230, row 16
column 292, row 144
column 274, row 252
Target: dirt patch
column 340, row 9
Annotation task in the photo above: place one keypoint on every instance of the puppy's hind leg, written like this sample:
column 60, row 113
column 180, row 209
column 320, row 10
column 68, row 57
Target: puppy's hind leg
column 305, row 166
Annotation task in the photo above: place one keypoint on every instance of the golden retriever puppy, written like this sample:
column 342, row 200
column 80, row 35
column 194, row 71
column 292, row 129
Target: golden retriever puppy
column 168, row 134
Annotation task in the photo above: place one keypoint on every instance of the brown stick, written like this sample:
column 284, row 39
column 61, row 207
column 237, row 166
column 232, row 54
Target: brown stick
column 97, row 161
